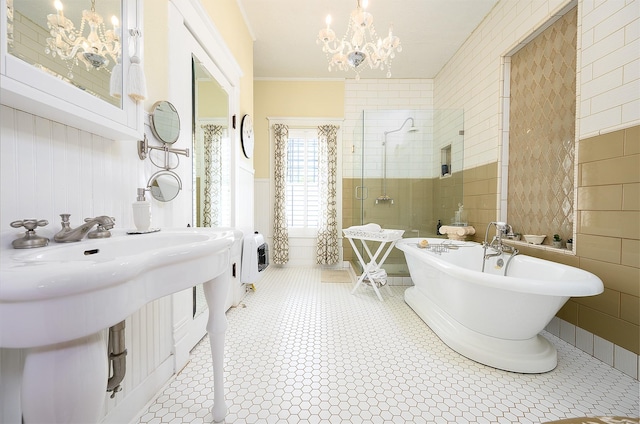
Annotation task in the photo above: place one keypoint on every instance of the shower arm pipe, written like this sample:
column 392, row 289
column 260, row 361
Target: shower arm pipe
column 384, row 154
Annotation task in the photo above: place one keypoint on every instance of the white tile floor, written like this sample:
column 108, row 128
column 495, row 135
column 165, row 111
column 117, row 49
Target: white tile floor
column 302, row 351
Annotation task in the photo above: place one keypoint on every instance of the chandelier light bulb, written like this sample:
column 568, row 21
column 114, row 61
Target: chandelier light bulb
column 328, row 21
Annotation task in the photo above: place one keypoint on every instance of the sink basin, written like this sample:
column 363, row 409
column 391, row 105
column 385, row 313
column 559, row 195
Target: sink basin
column 51, row 294
column 101, row 250
column 55, row 302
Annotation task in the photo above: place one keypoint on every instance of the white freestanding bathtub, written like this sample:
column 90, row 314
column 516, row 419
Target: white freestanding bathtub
column 486, row 316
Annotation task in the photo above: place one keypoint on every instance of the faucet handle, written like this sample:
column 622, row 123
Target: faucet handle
column 91, row 219
column 103, row 221
column 30, row 224
column 30, row 239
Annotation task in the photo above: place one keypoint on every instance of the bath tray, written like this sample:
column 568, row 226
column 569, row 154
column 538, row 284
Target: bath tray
column 383, row 235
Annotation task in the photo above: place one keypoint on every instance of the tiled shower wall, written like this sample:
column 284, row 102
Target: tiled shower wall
column 377, row 95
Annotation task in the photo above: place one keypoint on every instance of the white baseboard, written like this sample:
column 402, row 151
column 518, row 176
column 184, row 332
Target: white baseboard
column 607, row 352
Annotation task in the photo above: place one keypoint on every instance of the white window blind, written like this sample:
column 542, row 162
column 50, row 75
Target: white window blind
column 302, row 179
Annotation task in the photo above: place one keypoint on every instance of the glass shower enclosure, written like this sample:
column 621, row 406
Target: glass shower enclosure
column 405, row 174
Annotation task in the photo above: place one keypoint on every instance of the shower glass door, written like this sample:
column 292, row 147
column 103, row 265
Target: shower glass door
column 396, row 179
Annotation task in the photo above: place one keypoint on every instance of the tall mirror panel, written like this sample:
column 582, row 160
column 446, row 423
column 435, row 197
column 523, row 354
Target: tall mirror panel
column 211, row 157
column 212, row 150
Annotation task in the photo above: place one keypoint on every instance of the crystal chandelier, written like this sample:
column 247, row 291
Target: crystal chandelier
column 72, row 45
column 359, row 45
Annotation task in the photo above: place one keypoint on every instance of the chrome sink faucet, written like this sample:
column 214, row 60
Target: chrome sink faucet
column 67, row 234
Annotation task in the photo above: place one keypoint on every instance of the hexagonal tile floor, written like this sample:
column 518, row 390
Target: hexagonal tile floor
column 298, row 351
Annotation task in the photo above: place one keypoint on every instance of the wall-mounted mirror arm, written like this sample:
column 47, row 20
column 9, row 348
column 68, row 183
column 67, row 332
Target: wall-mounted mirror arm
column 144, row 148
column 164, row 185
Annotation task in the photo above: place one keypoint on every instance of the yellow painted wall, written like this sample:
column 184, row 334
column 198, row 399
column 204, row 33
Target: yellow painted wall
column 227, row 18
column 288, row 99
column 156, row 51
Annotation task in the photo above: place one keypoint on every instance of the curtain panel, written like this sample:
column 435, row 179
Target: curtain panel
column 280, row 230
column 327, row 251
column 212, row 175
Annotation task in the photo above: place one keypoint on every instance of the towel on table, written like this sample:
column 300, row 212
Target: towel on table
column 371, row 228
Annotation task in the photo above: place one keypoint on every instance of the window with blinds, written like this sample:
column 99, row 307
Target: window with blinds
column 302, row 179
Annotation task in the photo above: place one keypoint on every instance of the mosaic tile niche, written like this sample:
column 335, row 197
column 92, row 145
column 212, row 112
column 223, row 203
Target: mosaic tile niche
column 542, row 132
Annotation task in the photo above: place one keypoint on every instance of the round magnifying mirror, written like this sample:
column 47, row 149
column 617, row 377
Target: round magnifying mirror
column 165, row 122
column 164, row 185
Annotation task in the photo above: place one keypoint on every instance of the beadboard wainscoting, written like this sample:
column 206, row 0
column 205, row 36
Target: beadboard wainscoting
column 46, row 169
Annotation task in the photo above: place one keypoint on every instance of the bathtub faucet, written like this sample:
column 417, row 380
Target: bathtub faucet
column 496, row 243
column 502, row 229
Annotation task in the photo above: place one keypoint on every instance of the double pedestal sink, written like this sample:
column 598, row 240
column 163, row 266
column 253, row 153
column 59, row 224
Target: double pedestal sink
column 55, row 302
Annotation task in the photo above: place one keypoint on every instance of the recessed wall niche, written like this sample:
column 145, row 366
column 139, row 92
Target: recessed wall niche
column 541, row 131
column 445, row 161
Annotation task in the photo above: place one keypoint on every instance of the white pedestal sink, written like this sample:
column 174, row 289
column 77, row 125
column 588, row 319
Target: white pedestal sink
column 56, row 300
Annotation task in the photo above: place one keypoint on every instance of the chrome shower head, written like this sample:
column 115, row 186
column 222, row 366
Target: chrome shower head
column 411, row 129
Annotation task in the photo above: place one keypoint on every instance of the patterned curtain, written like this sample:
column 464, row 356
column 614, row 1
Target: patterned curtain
column 280, row 231
column 212, row 175
column 327, row 242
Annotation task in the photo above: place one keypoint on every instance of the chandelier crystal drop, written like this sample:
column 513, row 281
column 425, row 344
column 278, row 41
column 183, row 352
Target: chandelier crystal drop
column 95, row 49
column 360, row 44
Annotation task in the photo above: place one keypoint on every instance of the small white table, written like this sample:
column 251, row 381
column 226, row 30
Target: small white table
column 371, row 269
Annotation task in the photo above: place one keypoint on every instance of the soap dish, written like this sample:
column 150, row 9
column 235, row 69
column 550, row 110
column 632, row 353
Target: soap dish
column 150, row 230
column 534, row 238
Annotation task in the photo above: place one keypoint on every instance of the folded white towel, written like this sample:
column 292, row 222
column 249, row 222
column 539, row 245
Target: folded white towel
column 371, row 228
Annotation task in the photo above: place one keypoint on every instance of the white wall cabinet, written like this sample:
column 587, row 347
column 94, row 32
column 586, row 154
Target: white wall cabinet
column 28, row 88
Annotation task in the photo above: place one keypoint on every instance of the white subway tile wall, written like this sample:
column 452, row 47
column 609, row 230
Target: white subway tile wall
column 610, row 65
column 608, row 84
